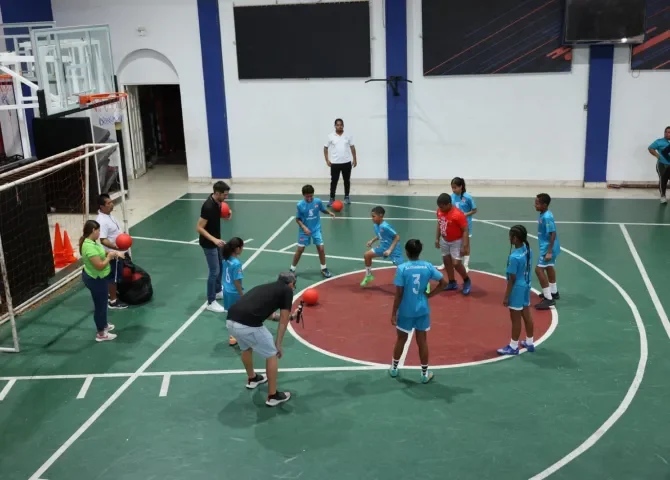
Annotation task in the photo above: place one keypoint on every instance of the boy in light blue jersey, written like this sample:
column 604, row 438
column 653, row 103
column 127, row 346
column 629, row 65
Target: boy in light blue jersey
column 308, row 218
column 660, row 149
column 550, row 248
column 231, row 269
column 410, row 306
column 462, row 200
column 389, row 244
column 517, row 294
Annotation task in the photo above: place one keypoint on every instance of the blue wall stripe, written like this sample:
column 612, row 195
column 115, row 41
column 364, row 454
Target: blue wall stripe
column 397, row 117
column 23, row 11
column 601, row 66
column 215, row 91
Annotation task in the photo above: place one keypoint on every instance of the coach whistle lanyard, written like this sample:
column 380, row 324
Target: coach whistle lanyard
column 113, row 220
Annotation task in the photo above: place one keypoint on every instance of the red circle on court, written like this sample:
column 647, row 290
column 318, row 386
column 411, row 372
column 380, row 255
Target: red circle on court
column 355, row 322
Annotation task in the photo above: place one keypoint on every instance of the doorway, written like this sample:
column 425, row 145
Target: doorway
column 156, row 126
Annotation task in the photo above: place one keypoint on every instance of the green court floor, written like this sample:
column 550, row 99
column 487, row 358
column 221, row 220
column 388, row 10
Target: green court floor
column 166, row 400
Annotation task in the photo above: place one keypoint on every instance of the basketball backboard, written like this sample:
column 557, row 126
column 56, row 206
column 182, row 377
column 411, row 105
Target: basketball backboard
column 73, row 61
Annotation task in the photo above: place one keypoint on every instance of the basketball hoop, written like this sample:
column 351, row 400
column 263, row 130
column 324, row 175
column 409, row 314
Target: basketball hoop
column 109, row 107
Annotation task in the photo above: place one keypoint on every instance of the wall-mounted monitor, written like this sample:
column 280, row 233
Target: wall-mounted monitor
column 604, row 21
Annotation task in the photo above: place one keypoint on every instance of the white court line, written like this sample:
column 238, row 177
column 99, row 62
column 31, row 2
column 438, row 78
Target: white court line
column 194, row 242
column 267, row 250
column 248, row 240
column 632, row 390
column 85, row 387
column 405, row 349
column 87, row 424
column 417, row 209
column 6, row 389
column 647, row 281
column 165, row 385
column 289, row 247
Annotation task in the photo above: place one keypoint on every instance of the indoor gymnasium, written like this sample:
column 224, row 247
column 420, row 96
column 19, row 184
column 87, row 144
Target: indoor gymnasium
column 334, row 240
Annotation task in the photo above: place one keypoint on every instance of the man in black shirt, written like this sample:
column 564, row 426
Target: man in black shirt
column 245, row 323
column 209, row 228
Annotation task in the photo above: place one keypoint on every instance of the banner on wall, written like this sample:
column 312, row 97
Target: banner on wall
column 654, row 53
column 493, row 37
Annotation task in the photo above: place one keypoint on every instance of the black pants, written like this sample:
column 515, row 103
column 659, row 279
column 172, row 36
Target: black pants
column 335, row 170
column 663, row 171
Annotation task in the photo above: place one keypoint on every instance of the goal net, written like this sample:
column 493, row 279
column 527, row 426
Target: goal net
column 43, row 208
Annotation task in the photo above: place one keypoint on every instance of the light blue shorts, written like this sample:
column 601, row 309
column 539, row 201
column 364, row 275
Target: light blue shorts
column 258, row 339
column 542, row 263
column 230, row 299
column 519, row 298
column 395, row 257
column 406, row 324
column 306, row 240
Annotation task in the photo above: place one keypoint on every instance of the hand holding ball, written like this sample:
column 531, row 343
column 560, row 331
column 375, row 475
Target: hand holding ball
column 225, row 211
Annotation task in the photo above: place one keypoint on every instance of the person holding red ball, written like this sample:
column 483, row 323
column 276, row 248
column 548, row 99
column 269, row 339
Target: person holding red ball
column 110, row 229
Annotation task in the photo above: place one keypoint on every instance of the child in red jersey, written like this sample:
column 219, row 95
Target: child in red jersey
column 453, row 240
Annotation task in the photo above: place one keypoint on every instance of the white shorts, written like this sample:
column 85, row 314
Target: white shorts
column 451, row 249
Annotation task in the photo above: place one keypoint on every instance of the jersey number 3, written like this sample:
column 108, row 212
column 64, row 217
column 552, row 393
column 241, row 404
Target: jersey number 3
column 416, row 281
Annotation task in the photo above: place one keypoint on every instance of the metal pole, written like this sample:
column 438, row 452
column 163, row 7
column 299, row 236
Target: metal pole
column 8, row 298
column 87, row 185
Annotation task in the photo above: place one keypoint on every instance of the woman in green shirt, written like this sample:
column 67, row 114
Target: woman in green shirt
column 96, row 276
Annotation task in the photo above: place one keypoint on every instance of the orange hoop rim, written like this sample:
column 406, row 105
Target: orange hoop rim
column 89, row 98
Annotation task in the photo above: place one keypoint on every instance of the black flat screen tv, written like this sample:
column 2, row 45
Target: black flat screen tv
column 604, row 21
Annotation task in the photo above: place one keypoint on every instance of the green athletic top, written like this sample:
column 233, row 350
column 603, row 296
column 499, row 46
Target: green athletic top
column 89, row 250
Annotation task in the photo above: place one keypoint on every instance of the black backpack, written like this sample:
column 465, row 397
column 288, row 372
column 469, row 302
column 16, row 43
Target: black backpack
column 134, row 287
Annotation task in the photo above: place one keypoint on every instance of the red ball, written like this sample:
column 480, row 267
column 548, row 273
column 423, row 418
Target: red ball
column 337, row 205
column 311, row 296
column 124, row 241
column 225, row 210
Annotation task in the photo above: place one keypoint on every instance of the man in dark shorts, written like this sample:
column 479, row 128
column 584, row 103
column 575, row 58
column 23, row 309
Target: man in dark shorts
column 245, row 323
column 209, row 228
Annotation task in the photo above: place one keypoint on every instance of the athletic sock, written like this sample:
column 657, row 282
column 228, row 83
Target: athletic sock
column 514, row 344
column 529, row 340
column 547, row 293
column 368, row 271
column 323, row 267
column 293, row 268
column 424, row 370
column 395, row 364
column 553, row 288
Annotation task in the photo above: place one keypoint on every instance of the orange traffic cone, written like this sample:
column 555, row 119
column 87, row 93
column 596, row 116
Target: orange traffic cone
column 68, row 252
column 59, row 251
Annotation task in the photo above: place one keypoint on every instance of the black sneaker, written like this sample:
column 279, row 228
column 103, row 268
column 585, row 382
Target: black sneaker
column 555, row 296
column 256, row 381
column 277, row 398
column 116, row 304
column 545, row 304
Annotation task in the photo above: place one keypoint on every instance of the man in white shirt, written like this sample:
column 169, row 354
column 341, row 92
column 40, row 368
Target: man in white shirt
column 110, row 228
column 340, row 155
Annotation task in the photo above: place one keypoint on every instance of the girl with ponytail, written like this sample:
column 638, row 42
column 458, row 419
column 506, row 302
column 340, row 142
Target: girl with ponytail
column 462, row 200
column 517, row 294
column 232, row 276
column 96, row 275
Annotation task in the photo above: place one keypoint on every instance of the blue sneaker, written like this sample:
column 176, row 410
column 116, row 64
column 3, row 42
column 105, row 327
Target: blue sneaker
column 427, row 377
column 452, row 285
column 529, row 348
column 467, row 286
column 326, row 273
column 508, row 350
column 330, row 202
column 347, row 201
column 393, row 372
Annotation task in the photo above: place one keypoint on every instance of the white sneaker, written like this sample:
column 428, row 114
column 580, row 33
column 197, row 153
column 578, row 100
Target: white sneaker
column 109, row 327
column 105, row 337
column 664, row 200
column 215, row 307
column 219, row 295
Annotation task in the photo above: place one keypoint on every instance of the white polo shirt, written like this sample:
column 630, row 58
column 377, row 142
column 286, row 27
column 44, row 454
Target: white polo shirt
column 110, row 228
column 339, row 148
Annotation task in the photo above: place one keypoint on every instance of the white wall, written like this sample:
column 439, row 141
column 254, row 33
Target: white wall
column 278, row 127
column 640, row 113
column 525, row 128
column 172, row 30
